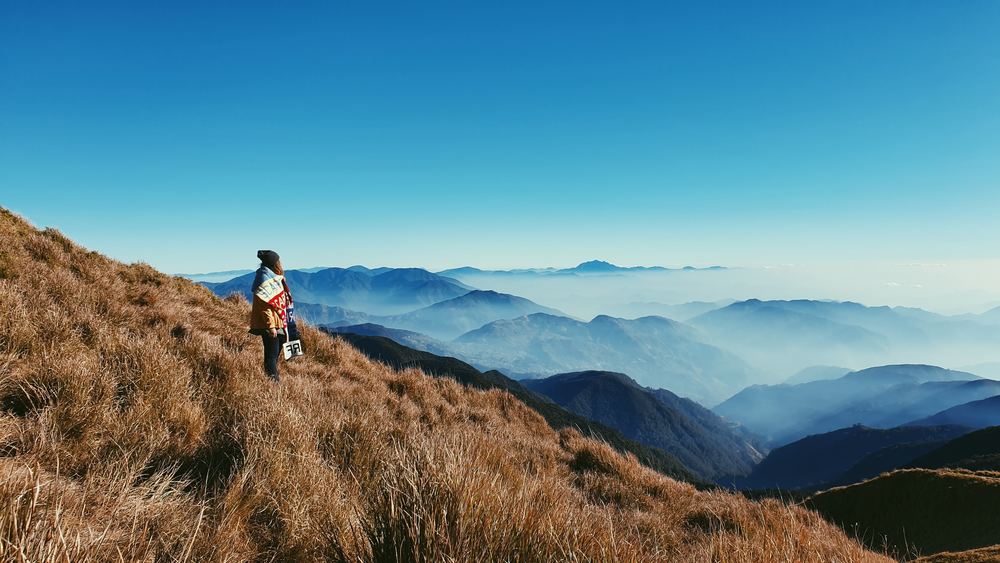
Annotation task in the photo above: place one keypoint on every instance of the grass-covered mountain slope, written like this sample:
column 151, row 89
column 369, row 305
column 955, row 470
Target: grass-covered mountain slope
column 390, row 352
column 136, row 425
column 979, row 450
column 919, row 511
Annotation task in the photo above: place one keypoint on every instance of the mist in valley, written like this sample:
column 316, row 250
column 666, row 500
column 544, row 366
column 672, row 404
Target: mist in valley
column 946, row 288
column 926, row 313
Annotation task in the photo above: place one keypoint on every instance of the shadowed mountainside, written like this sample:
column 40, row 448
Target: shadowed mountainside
column 919, row 511
column 137, row 426
column 978, row 451
column 819, row 460
column 699, row 438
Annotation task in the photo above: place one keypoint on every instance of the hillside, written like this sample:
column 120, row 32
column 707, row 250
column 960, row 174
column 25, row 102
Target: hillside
column 820, row 459
column 388, row 351
column 974, row 414
column 699, row 438
column 882, row 397
column 137, row 426
column 657, row 352
column 978, row 451
column 919, row 511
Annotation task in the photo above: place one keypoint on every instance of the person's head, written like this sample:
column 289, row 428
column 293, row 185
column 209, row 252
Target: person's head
column 271, row 259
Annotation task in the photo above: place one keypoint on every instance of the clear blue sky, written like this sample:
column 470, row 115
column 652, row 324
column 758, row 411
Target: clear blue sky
column 189, row 134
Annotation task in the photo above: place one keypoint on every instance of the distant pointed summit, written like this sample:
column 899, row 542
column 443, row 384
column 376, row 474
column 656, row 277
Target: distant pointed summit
column 597, row 266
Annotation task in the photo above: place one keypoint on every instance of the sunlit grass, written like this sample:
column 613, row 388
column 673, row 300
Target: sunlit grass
column 137, row 425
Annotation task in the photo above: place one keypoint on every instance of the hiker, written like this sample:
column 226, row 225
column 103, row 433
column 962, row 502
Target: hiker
column 271, row 299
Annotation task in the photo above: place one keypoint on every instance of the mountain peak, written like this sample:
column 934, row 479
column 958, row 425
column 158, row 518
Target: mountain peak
column 596, row 266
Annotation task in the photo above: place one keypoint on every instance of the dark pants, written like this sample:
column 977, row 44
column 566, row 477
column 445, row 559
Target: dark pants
column 272, row 349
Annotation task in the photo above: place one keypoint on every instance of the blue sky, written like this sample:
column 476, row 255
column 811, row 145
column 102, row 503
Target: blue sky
column 189, row 134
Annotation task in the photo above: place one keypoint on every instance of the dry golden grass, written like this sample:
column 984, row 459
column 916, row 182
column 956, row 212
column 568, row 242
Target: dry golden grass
column 984, row 555
column 137, row 425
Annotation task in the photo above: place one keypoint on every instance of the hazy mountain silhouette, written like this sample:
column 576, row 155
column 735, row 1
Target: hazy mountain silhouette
column 885, row 397
column 991, row 317
column 215, row 277
column 387, row 292
column 453, row 317
column 591, row 267
column 328, row 314
column 782, row 337
column 679, row 312
column 657, row 352
column 818, row 460
column 703, row 441
column 406, row 338
column 974, row 414
column 817, row 373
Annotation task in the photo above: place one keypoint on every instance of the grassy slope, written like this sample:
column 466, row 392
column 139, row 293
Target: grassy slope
column 136, row 425
column 979, row 451
column 919, row 510
column 398, row 356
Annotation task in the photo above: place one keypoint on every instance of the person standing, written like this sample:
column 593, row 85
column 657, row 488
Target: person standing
column 267, row 313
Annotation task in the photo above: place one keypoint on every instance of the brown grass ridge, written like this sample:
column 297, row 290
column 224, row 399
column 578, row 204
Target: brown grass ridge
column 136, row 425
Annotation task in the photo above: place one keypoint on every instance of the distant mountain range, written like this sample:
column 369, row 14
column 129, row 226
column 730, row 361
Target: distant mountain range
column 215, row 277
column 881, row 397
column 817, row 373
column 381, row 291
column 656, row 351
column 782, row 337
column 593, row 267
column 678, row 312
column 407, row 338
column 453, row 317
column 703, row 441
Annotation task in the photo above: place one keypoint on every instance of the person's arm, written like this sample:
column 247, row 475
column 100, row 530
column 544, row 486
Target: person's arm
column 273, row 320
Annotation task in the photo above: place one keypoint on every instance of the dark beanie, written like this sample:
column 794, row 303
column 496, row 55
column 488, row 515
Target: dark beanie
column 268, row 257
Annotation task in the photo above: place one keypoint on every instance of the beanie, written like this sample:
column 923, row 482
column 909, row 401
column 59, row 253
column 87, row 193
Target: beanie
column 268, row 257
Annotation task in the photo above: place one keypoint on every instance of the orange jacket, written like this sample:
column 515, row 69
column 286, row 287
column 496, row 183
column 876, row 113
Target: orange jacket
column 264, row 316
